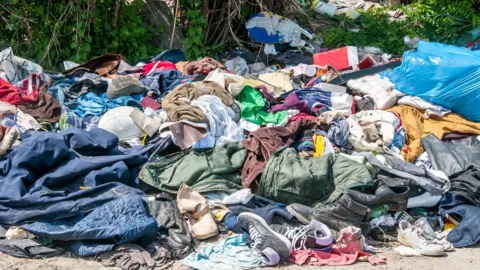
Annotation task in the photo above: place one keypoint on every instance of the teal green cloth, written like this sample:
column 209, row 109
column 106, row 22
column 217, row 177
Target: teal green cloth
column 218, row 169
column 253, row 105
column 287, row 178
column 233, row 253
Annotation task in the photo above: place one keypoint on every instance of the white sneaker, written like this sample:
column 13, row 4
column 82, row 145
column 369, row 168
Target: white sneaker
column 432, row 237
column 411, row 236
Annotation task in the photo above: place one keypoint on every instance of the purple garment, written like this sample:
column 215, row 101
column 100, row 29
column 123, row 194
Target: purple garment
column 456, row 136
column 265, row 93
column 292, row 103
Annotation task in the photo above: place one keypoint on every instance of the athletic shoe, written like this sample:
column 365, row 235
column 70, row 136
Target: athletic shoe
column 412, row 236
column 272, row 245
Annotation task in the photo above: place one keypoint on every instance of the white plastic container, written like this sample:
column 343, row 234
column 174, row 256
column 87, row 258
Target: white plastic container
column 324, row 8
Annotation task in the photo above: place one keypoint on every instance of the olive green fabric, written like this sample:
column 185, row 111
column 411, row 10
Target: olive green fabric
column 253, row 108
column 219, row 169
column 287, row 178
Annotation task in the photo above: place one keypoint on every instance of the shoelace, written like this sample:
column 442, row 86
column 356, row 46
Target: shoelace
column 257, row 240
column 420, row 235
column 298, row 236
column 255, row 236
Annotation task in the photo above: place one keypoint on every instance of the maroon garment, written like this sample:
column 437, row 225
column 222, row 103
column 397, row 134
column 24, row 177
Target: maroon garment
column 263, row 142
column 45, row 109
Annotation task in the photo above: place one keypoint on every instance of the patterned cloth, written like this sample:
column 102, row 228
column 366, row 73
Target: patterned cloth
column 14, row 69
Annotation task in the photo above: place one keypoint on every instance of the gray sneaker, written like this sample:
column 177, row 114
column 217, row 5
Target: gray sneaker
column 315, row 235
column 273, row 246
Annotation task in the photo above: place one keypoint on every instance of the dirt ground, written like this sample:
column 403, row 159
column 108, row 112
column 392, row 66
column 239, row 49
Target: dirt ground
column 463, row 258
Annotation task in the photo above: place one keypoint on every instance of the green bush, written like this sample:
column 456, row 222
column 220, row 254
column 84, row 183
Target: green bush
column 50, row 32
column 435, row 20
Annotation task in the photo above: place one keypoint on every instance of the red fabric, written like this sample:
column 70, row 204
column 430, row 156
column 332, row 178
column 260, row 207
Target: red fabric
column 163, row 65
column 302, row 115
column 16, row 96
column 313, row 257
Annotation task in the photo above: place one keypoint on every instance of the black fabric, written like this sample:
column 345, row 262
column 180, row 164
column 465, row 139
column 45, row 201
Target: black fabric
column 401, row 173
column 453, row 157
column 30, row 248
column 170, row 223
column 460, row 160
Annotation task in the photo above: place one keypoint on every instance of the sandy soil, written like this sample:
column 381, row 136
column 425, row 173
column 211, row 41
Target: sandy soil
column 459, row 259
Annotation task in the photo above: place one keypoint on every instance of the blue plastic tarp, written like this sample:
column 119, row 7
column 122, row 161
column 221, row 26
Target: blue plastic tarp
column 441, row 74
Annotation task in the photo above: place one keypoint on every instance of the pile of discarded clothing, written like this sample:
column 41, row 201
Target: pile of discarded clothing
column 316, row 159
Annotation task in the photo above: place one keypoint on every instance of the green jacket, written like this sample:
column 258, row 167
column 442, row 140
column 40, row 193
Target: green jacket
column 253, row 108
column 287, row 178
column 219, row 169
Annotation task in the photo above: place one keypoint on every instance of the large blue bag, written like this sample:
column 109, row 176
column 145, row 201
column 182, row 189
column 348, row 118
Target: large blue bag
column 441, row 74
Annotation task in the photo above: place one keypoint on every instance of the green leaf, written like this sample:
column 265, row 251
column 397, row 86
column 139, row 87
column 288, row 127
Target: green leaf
column 73, row 45
column 86, row 47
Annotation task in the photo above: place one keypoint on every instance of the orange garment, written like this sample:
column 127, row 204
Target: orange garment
column 417, row 126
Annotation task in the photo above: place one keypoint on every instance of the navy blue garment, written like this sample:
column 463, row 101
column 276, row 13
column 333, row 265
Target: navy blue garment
column 51, row 176
column 162, row 82
column 265, row 208
column 467, row 233
column 172, row 55
column 120, row 221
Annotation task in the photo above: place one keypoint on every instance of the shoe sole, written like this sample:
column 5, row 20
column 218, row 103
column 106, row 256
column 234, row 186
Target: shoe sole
column 263, row 222
column 299, row 217
column 422, row 253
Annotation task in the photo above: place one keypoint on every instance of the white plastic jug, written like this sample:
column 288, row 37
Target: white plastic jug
column 324, row 8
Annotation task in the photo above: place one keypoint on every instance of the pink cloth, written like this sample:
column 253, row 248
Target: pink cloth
column 302, row 115
column 313, row 257
column 350, row 240
column 346, row 251
column 336, row 257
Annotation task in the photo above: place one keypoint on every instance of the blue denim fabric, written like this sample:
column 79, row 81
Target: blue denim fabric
column 120, row 221
column 467, row 233
column 97, row 104
column 41, row 179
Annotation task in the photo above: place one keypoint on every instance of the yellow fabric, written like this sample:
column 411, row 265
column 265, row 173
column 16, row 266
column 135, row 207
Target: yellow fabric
column 319, row 144
column 417, row 126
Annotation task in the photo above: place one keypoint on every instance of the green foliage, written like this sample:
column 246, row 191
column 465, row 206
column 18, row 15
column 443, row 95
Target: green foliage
column 193, row 42
column 50, row 32
column 435, row 20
